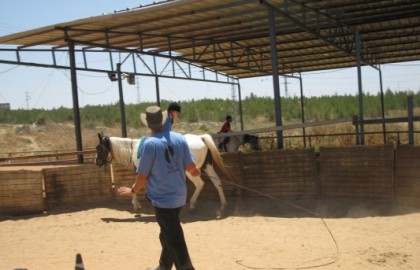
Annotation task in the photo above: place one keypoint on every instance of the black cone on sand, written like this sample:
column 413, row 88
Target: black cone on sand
column 79, row 262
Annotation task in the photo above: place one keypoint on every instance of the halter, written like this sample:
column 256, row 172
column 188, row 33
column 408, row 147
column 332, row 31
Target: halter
column 103, row 153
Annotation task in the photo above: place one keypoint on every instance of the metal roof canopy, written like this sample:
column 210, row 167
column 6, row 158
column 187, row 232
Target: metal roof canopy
column 249, row 38
column 232, row 37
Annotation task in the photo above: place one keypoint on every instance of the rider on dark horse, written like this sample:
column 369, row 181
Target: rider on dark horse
column 225, row 129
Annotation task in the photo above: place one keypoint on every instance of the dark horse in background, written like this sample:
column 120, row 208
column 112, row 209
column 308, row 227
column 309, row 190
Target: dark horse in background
column 231, row 143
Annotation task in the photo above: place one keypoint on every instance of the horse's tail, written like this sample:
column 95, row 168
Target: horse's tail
column 217, row 158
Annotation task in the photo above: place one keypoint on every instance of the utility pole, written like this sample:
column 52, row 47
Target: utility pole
column 285, row 87
column 27, row 100
column 138, row 89
column 234, row 103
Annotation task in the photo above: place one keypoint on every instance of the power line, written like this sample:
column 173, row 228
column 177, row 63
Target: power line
column 3, row 97
column 83, row 91
column 10, row 29
column 7, row 70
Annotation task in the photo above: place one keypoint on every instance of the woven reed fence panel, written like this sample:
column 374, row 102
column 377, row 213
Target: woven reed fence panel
column 358, row 172
column 290, row 173
column 124, row 176
column 407, row 175
column 21, row 192
column 75, row 185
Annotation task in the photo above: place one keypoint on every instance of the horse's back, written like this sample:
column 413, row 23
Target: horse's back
column 121, row 147
column 198, row 148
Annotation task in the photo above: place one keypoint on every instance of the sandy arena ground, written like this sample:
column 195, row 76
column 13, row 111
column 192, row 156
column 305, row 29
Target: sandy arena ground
column 251, row 234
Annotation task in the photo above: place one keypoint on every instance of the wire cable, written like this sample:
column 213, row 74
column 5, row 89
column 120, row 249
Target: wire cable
column 337, row 250
column 7, row 70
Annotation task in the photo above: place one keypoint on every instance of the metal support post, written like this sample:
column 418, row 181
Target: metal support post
column 275, row 74
column 382, row 105
column 122, row 106
column 359, row 83
column 240, row 106
column 410, row 106
column 76, row 113
column 157, row 90
column 302, row 109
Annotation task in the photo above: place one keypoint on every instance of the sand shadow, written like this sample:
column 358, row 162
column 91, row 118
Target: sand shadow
column 137, row 218
column 325, row 207
column 208, row 209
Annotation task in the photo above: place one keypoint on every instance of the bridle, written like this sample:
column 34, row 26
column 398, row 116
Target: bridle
column 103, row 151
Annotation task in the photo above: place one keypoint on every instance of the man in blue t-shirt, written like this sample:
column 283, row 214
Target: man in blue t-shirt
column 165, row 156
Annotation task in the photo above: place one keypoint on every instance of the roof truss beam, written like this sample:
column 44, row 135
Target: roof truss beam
column 183, row 69
column 336, row 33
column 231, row 53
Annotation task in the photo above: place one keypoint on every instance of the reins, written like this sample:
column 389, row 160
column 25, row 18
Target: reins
column 337, row 255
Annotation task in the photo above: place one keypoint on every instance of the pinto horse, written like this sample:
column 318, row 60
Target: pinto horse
column 124, row 151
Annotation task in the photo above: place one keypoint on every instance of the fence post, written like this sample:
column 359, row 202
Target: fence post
column 410, row 120
column 356, row 126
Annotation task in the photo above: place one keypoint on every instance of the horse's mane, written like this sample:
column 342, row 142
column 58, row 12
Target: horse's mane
column 122, row 150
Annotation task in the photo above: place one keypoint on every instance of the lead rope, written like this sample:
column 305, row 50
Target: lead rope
column 131, row 154
column 337, row 251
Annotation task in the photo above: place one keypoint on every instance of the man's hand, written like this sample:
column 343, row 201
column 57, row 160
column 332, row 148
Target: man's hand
column 125, row 192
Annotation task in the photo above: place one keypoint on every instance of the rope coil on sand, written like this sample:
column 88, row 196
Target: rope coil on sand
column 337, row 251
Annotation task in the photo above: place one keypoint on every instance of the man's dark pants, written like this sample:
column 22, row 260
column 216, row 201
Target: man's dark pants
column 174, row 248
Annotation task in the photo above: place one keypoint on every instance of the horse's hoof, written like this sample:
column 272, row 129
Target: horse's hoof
column 136, row 209
column 219, row 214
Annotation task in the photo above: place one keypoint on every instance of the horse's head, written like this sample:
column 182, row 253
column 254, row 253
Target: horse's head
column 103, row 151
column 252, row 140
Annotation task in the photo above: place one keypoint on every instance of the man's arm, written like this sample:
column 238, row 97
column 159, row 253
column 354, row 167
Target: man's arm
column 138, row 185
column 167, row 126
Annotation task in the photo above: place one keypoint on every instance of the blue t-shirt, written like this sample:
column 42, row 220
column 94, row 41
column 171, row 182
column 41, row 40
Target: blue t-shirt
column 164, row 159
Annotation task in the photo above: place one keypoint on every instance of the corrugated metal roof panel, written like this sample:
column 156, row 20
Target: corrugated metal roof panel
column 231, row 36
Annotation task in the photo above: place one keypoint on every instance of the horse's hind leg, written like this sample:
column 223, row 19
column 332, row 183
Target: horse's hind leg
column 199, row 184
column 218, row 184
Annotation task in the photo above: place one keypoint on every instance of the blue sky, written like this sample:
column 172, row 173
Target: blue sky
column 30, row 87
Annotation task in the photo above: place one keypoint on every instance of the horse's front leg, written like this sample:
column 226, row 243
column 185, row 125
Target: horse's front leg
column 136, row 203
column 199, row 184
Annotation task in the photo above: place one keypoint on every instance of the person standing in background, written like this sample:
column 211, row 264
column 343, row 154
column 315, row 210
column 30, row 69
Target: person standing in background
column 225, row 129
